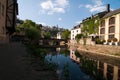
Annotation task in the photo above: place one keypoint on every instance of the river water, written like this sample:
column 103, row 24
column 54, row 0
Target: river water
column 72, row 65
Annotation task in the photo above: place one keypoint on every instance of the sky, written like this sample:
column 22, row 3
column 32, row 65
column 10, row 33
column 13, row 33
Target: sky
column 63, row 13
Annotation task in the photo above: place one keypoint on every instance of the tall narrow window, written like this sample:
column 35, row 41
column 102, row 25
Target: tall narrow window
column 102, row 31
column 112, row 29
column 102, row 23
column 3, row 10
column 112, row 20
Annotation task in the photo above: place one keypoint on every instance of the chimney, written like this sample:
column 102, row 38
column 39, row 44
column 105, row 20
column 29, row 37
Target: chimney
column 108, row 7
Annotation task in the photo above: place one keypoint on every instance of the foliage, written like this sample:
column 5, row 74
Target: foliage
column 109, row 40
column 66, row 71
column 47, row 35
column 65, row 52
column 78, row 37
column 98, row 41
column 66, row 34
column 18, row 29
column 28, row 24
column 114, row 39
column 91, row 25
column 32, row 33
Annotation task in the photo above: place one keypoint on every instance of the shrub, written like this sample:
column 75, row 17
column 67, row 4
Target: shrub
column 109, row 40
column 98, row 41
column 114, row 39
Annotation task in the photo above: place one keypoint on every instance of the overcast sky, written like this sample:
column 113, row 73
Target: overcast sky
column 64, row 13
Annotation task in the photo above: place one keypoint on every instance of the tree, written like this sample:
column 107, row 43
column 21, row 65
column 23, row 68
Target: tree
column 78, row 37
column 32, row 34
column 28, row 24
column 66, row 34
column 47, row 35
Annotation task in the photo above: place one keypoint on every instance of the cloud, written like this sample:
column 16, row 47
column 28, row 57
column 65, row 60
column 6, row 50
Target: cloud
column 96, row 6
column 59, row 19
column 54, row 6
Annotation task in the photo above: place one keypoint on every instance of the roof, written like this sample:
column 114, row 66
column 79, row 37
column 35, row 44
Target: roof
column 78, row 26
column 100, row 15
column 112, row 13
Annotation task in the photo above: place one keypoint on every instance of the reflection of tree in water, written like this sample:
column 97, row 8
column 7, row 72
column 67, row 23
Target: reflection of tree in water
column 89, row 66
column 37, row 59
column 78, row 54
column 66, row 71
column 65, row 52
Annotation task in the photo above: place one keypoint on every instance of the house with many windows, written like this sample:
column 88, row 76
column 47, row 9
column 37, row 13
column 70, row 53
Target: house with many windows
column 110, row 25
column 76, row 30
column 8, row 12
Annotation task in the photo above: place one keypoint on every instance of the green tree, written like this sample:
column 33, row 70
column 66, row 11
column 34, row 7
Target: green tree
column 66, row 34
column 78, row 37
column 28, row 24
column 32, row 34
column 47, row 35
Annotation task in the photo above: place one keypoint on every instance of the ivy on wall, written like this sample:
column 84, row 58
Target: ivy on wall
column 90, row 26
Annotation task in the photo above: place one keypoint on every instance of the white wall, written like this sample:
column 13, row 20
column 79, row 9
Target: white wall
column 74, row 32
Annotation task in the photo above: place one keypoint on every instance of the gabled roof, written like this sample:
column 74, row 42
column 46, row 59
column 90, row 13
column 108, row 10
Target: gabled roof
column 76, row 27
column 112, row 13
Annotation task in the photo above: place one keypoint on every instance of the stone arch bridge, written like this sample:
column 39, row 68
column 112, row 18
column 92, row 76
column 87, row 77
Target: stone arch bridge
column 52, row 42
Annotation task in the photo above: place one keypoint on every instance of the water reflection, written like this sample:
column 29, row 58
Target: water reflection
column 99, row 70
column 74, row 66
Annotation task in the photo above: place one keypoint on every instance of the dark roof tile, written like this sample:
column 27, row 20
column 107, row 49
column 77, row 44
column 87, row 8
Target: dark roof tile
column 112, row 13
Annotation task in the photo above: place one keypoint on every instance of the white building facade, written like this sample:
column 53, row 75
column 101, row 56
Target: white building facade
column 59, row 35
column 76, row 30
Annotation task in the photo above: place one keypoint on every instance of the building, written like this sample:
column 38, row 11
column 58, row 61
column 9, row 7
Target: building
column 110, row 25
column 76, row 30
column 59, row 35
column 8, row 12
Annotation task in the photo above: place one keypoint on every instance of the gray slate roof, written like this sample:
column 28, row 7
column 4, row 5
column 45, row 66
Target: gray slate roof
column 112, row 13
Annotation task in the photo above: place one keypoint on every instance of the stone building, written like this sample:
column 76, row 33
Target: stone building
column 8, row 12
column 110, row 25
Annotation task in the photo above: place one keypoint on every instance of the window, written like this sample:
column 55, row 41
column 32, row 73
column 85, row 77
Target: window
column 77, row 31
column 112, row 20
column 111, row 36
column 73, row 31
column 102, row 23
column 102, row 31
column 111, row 29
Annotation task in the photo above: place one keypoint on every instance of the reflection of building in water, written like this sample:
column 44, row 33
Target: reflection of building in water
column 58, row 49
column 104, row 70
column 109, row 71
column 73, row 56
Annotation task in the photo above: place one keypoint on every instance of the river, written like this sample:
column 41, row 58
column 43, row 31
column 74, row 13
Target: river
column 73, row 65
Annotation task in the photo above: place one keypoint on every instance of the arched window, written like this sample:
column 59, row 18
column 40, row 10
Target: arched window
column 112, row 29
column 112, row 20
column 102, row 23
column 102, row 31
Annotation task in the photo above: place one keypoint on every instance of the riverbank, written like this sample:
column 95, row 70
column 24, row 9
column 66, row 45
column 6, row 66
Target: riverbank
column 18, row 64
column 103, row 53
column 99, row 49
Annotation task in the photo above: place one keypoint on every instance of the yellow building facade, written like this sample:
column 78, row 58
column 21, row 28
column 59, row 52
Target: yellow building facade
column 110, row 25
